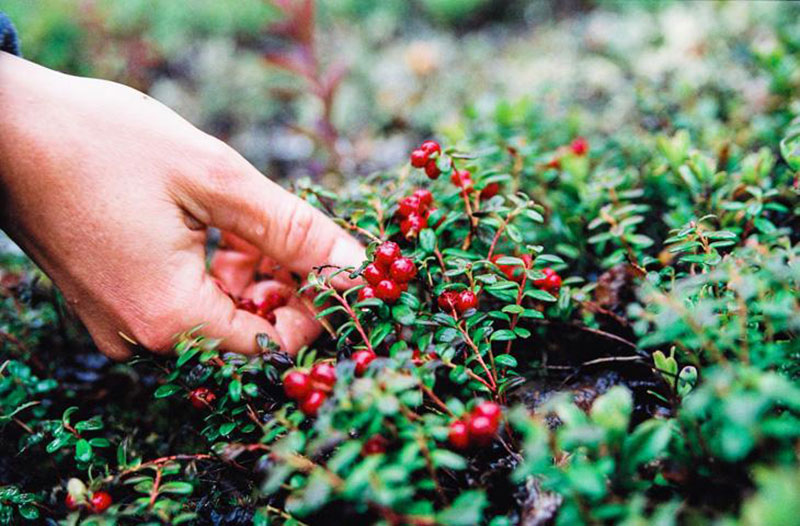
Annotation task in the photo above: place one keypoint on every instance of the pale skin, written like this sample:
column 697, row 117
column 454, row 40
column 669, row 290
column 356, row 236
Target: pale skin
column 111, row 193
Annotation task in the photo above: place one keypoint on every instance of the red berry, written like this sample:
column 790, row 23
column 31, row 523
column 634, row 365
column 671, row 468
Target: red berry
column 481, row 429
column 386, row 253
column 388, row 291
column 403, row 270
column 362, row 360
column 488, row 409
column 311, row 403
column 416, row 357
column 462, row 179
column 553, row 282
column 274, row 300
column 542, row 282
column 71, row 503
column 296, row 384
column 430, row 147
column 448, row 300
column 465, row 301
column 490, row 190
column 201, row 398
column 366, row 293
column 425, row 196
column 99, row 502
column 458, row 436
column 374, row 445
column 579, row 146
column 432, row 169
column 324, row 373
column 373, row 274
column 412, row 226
column 555, row 162
column 248, row 305
column 418, row 158
column 409, row 205
column 513, row 272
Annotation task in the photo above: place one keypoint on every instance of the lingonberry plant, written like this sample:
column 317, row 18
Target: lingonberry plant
column 552, row 326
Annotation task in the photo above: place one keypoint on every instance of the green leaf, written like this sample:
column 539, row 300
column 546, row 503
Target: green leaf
column 502, row 335
column 403, row 315
column 443, row 458
column 235, row 390
column 506, row 360
column 427, row 240
column 466, row 510
column 83, row 451
column 178, row 488
column 29, row 512
column 166, row 390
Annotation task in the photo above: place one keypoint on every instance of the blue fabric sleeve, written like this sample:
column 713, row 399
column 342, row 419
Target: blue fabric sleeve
column 8, row 36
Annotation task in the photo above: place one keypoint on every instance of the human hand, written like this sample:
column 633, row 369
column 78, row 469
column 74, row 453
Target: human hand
column 111, row 192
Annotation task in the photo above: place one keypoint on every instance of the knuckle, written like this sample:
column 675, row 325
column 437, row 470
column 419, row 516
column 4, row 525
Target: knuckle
column 220, row 161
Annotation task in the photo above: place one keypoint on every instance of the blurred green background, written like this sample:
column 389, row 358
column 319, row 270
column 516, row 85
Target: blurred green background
column 339, row 87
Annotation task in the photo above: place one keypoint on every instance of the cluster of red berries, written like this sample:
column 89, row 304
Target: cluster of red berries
column 460, row 302
column 388, row 275
column 478, row 428
column 310, row 390
column 202, row 398
column 266, row 308
column 425, row 157
column 413, row 212
column 98, row 502
column 551, row 282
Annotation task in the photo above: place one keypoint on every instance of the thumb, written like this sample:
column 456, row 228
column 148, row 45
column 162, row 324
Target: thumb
column 280, row 224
